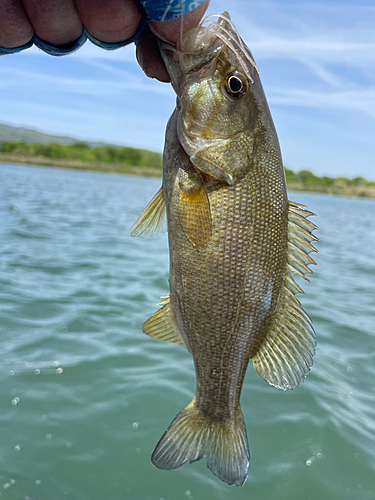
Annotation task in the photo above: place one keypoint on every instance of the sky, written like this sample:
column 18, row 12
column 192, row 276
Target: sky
column 317, row 65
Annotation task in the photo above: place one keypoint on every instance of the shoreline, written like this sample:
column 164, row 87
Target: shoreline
column 336, row 190
column 110, row 168
column 117, row 168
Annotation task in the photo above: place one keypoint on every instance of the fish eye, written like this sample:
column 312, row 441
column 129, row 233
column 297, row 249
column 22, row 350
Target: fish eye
column 236, row 85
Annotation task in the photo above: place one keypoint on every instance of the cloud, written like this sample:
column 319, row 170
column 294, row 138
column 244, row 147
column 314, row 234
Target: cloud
column 359, row 100
column 334, row 42
column 124, row 82
column 328, row 49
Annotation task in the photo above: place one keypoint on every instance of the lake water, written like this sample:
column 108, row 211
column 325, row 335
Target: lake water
column 85, row 395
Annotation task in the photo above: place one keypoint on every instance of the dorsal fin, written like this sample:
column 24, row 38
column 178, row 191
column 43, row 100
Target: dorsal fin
column 285, row 357
column 153, row 220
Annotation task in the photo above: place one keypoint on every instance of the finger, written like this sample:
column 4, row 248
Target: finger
column 170, row 30
column 149, row 58
column 111, row 21
column 15, row 27
column 148, row 54
column 55, row 21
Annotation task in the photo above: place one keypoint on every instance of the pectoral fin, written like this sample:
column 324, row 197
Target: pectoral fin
column 153, row 220
column 162, row 324
column 194, row 209
column 285, row 357
column 225, row 160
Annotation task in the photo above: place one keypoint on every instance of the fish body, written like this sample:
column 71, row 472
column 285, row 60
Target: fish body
column 235, row 243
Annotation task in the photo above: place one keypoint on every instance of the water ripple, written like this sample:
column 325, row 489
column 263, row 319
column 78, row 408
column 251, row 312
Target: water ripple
column 85, row 395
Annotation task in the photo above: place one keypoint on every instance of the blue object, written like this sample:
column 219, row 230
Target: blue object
column 14, row 50
column 55, row 51
column 46, row 47
column 165, row 10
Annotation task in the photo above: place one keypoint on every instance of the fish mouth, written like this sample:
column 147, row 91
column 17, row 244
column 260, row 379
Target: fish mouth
column 195, row 55
column 186, row 66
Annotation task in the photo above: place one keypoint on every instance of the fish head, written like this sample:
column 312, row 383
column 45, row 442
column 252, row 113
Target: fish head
column 220, row 100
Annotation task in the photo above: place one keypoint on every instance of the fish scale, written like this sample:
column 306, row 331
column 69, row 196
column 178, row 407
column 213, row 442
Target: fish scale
column 235, row 244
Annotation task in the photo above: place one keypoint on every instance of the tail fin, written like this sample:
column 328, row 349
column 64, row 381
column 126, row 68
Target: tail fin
column 192, row 436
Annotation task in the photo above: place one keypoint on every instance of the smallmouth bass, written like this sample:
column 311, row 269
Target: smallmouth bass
column 235, row 244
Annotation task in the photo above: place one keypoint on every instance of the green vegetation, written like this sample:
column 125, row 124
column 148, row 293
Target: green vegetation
column 83, row 152
column 126, row 160
column 304, row 180
column 83, row 156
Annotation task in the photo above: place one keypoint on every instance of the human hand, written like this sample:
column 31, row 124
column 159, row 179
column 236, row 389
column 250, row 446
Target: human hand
column 60, row 24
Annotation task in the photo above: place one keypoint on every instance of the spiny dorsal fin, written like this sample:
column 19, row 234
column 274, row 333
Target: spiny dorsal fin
column 194, row 211
column 162, row 324
column 153, row 220
column 285, row 357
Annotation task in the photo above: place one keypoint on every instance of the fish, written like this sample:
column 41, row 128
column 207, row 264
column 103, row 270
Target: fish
column 235, row 244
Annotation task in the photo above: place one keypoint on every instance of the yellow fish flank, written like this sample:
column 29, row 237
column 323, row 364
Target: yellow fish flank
column 235, row 245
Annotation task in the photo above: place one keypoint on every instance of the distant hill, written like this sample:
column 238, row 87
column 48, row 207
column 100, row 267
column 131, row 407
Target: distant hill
column 9, row 133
